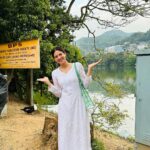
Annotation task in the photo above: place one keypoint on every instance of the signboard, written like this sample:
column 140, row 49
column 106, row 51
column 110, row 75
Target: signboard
column 22, row 54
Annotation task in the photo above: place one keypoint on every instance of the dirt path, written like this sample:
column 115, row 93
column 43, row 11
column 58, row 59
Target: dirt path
column 20, row 131
column 113, row 142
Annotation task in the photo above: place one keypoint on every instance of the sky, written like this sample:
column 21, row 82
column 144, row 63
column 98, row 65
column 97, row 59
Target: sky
column 141, row 24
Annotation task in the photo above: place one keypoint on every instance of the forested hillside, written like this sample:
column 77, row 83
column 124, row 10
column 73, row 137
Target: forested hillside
column 108, row 38
column 136, row 38
column 112, row 38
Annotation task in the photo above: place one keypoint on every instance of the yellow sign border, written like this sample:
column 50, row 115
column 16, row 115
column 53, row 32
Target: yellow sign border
column 21, row 54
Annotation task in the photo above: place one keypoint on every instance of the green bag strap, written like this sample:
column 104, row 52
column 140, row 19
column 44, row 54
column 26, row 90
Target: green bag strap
column 79, row 78
column 87, row 100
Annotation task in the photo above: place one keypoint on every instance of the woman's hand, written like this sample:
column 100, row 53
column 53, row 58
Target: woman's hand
column 90, row 66
column 45, row 80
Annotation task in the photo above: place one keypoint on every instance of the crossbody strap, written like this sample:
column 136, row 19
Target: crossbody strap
column 87, row 100
column 79, row 77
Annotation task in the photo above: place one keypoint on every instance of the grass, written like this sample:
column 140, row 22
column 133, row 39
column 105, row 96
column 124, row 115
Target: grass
column 97, row 145
column 42, row 100
column 129, row 138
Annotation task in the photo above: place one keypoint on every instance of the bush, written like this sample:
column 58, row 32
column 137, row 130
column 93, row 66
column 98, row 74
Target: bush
column 44, row 99
column 97, row 145
column 131, row 139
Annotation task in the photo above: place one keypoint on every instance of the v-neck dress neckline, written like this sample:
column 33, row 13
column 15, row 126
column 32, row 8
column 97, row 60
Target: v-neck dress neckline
column 67, row 71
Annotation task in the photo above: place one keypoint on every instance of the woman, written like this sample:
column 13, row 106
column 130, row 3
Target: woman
column 73, row 122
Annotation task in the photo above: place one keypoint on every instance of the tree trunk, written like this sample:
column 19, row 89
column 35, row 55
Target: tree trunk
column 50, row 132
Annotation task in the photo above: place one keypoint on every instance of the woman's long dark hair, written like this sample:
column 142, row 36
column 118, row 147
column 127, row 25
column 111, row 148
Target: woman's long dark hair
column 57, row 49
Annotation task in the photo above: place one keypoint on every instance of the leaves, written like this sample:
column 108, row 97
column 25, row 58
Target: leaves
column 114, row 90
column 43, row 19
column 107, row 115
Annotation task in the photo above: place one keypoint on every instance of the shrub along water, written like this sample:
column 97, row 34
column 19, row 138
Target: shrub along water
column 97, row 145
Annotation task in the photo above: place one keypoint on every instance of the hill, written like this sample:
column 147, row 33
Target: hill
column 136, row 38
column 113, row 38
column 107, row 39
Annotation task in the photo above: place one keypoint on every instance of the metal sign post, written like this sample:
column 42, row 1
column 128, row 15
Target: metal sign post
column 30, row 87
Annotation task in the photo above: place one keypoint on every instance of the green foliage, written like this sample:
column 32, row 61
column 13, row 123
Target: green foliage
column 6, row 20
column 131, row 139
column 73, row 53
column 113, row 90
column 107, row 115
column 47, row 62
column 97, row 145
column 129, row 59
column 43, row 19
column 25, row 20
column 43, row 100
column 112, row 60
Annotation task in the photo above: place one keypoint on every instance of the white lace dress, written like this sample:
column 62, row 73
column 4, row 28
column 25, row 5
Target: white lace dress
column 73, row 121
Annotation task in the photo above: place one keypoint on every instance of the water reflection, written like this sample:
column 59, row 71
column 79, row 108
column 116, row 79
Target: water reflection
column 125, row 77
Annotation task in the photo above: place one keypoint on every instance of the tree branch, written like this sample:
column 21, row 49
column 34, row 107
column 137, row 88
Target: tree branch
column 121, row 12
column 90, row 32
column 70, row 6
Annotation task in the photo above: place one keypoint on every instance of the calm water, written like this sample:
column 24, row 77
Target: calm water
column 125, row 77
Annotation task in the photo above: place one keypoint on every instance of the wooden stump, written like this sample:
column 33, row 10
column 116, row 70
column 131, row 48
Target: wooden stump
column 50, row 133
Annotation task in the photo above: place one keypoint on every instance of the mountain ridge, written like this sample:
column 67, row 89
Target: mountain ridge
column 111, row 38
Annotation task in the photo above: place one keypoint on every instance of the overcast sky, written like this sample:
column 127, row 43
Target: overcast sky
column 139, row 25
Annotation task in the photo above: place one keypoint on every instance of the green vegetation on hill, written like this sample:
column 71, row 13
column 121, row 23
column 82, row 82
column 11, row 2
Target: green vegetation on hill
column 112, row 38
column 108, row 38
column 136, row 38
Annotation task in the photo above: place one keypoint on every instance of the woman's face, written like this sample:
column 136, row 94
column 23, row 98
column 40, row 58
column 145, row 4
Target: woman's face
column 60, row 57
